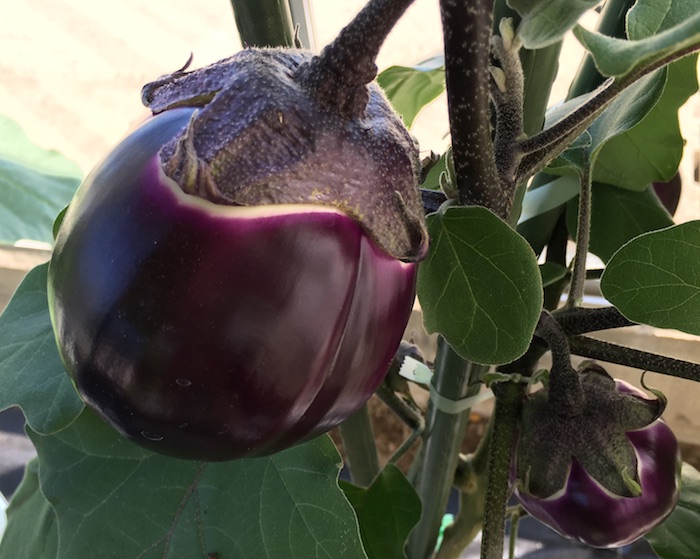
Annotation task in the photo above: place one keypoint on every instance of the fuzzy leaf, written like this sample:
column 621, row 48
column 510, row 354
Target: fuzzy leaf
column 411, row 88
column 676, row 537
column 546, row 21
column 35, row 184
column 480, row 286
column 387, row 510
column 286, row 505
column 618, row 216
column 619, row 57
column 655, row 278
column 31, row 531
column 653, row 148
column 31, row 373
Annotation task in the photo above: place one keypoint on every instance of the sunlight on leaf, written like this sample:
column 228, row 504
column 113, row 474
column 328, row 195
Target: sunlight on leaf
column 411, row 88
column 480, row 286
column 655, row 278
column 35, row 184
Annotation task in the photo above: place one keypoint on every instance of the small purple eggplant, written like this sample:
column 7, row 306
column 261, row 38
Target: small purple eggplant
column 586, row 511
column 235, row 277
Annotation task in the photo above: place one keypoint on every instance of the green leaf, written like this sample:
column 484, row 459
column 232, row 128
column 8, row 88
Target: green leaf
column 552, row 273
column 623, row 114
column 540, row 200
column 387, row 511
column 619, row 57
column 411, row 88
column 30, row 515
column 150, row 506
column 618, row 216
column 480, row 286
column 31, row 530
column 655, row 278
column 35, row 184
column 626, row 112
column 31, row 373
column 677, row 536
column 653, row 148
column 546, row 21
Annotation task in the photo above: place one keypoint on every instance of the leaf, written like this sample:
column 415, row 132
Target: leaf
column 548, row 196
column 35, row 184
column 677, row 536
column 480, row 286
column 624, row 113
column 618, row 216
column 619, row 57
column 552, row 273
column 653, row 148
column 546, row 21
column 32, row 530
column 31, row 373
column 149, row 506
column 655, row 278
column 387, row 511
column 411, row 88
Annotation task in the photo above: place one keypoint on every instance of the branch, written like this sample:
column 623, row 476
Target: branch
column 581, row 321
column 643, row 360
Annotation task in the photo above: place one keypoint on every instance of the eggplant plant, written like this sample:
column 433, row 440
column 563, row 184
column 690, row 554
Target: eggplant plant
column 233, row 280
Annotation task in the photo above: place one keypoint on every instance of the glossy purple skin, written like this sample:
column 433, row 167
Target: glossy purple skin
column 204, row 333
column 588, row 513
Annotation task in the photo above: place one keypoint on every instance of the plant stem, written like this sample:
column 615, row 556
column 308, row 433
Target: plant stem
column 564, row 385
column 264, row 23
column 583, row 235
column 454, row 378
column 643, row 360
column 581, row 320
column 505, row 421
column 467, row 61
column 359, row 447
column 470, row 481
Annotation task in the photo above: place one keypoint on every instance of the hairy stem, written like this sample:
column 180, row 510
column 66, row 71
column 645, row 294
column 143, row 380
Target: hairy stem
column 359, row 447
column 580, row 320
column 638, row 359
column 467, row 62
column 564, row 385
column 505, row 421
column 339, row 75
column 583, row 235
column 507, row 93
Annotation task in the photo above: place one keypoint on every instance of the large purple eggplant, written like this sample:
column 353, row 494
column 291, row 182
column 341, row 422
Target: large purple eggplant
column 235, row 277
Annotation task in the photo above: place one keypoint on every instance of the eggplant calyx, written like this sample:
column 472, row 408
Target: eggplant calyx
column 593, row 435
